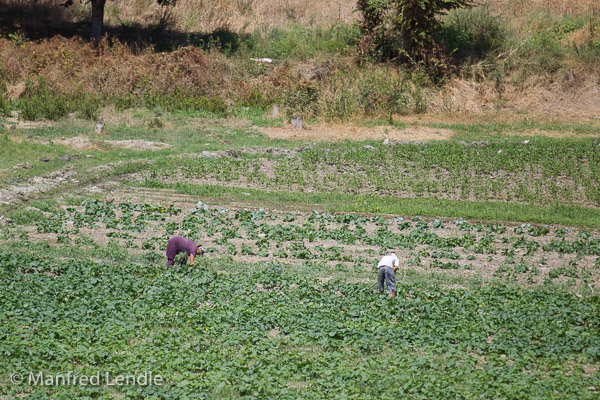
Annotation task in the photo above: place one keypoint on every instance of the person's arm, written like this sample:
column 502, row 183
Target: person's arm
column 396, row 264
column 191, row 259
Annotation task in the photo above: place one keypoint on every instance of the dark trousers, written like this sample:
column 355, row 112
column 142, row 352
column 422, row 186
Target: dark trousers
column 387, row 275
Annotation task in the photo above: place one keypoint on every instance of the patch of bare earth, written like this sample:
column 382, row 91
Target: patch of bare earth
column 38, row 184
column 76, row 143
column 422, row 133
column 85, row 143
column 332, row 133
column 138, row 144
column 16, row 123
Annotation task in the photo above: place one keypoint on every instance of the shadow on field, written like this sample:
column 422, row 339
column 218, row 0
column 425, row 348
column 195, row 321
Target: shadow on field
column 39, row 21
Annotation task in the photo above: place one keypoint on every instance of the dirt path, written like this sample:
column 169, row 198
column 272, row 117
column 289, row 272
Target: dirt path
column 65, row 177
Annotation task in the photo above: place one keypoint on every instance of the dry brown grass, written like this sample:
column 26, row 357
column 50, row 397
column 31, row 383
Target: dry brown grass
column 555, row 7
column 333, row 133
column 249, row 15
column 209, row 15
column 112, row 71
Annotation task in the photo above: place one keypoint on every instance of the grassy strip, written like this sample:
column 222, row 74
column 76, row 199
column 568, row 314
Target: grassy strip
column 569, row 215
column 525, row 128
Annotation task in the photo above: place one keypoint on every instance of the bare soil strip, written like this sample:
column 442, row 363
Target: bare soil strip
column 335, row 133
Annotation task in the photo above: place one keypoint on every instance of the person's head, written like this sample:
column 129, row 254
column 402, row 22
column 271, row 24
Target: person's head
column 200, row 250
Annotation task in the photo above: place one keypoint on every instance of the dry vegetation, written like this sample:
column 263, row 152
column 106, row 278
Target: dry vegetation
column 520, row 8
column 547, row 61
column 249, row 15
column 208, row 15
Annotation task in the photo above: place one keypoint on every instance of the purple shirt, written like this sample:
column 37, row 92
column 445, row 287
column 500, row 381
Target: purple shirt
column 180, row 244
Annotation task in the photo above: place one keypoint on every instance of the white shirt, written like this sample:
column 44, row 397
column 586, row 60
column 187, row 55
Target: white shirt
column 389, row 260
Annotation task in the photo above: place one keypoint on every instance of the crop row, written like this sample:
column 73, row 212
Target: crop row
column 274, row 334
column 348, row 229
column 526, row 252
column 539, row 174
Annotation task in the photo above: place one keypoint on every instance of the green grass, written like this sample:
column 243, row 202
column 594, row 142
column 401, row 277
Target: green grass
column 12, row 153
column 337, row 202
column 184, row 130
column 26, row 217
column 541, row 173
column 48, row 205
column 496, row 130
column 299, row 42
column 258, row 116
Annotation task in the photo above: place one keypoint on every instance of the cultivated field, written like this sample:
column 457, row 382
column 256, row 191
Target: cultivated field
column 497, row 290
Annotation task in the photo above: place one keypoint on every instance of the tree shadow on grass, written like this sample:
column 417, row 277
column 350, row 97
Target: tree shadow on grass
column 38, row 21
column 35, row 21
column 165, row 40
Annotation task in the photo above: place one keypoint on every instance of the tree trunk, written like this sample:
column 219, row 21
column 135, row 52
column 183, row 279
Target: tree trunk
column 97, row 19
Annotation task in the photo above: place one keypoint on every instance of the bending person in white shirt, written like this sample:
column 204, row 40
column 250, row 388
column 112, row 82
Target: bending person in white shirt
column 386, row 272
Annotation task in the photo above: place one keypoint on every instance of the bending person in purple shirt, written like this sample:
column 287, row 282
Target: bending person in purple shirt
column 180, row 244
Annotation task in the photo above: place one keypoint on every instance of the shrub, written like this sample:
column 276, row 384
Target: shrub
column 85, row 106
column 545, row 49
column 340, row 101
column 41, row 102
column 472, row 33
column 302, row 98
column 567, row 25
column 589, row 52
column 256, row 98
column 5, row 106
column 130, row 100
column 299, row 42
column 179, row 100
column 405, row 30
column 380, row 94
